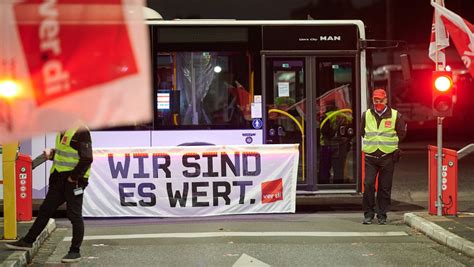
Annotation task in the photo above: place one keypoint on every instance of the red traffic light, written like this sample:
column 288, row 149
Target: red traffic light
column 443, row 83
column 442, row 100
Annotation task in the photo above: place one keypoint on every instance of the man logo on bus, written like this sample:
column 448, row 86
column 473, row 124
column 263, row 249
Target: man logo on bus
column 272, row 191
column 330, row 38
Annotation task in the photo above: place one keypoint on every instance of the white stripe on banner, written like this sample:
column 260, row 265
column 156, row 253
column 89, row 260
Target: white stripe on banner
column 192, row 181
column 242, row 234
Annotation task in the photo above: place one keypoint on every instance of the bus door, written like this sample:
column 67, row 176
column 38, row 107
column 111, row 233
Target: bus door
column 312, row 101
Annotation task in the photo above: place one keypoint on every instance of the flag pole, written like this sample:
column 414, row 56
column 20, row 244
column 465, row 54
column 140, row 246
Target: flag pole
column 440, row 65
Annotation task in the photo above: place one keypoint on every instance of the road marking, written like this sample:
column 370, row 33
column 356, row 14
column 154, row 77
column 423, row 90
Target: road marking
column 248, row 261
column 241, row 234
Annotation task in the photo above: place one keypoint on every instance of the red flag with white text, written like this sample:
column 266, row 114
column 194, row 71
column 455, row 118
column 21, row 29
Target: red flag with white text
column 76, row 60
column 462, row 34
column 443, row 39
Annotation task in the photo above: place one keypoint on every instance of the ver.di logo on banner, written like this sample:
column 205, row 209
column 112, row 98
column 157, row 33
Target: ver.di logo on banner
column 272, row 191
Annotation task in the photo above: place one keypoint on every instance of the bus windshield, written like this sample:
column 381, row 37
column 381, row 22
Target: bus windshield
column 204, row 88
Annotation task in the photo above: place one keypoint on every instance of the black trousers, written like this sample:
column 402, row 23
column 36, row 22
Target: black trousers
column 384, row 167
column 60, row 191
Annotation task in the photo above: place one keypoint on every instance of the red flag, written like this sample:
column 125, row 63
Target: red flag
column 443, row 39
column 461, row 32
column 76, row 63
column 338, row 97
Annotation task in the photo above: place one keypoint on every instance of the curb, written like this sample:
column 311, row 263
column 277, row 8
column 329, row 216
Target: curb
column 23, row 258
column 439, row 234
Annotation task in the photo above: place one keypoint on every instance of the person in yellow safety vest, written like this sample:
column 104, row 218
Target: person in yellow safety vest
column 335, row 144
column 382, row 128
column 72, row 159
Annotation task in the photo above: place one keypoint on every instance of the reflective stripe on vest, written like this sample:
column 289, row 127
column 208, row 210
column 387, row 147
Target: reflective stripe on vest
column 65, row 156
column 384, row 137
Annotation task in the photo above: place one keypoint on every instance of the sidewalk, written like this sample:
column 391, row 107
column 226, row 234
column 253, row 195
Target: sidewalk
column 10, row 257
column 454, row 232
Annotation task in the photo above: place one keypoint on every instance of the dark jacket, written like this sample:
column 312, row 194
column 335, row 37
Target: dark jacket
column 400, row 125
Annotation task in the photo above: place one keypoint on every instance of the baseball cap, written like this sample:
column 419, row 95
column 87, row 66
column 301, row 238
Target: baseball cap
column 379, row 93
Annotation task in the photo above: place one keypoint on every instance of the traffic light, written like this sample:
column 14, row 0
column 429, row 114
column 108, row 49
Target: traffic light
column 442, row 100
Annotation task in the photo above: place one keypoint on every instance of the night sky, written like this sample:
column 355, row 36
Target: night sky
column 410, row 20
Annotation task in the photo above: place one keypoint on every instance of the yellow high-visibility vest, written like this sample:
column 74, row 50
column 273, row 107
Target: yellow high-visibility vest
column 384, row 137
column 65, row 156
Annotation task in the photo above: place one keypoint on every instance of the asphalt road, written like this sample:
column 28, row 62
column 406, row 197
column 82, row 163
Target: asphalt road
column 325, row 231
column 321, row 239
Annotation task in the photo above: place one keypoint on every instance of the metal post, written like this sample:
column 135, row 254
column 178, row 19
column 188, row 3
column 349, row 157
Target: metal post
column 9, row 191
column 440, row 57
column 389, row 27
column 440, row 65
column 439, row 198
column 195, row 119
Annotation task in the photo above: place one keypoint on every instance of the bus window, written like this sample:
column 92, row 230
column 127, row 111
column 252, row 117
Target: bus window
column 202, row 89
column 285, row 78
column 287, row 88
column 335, row 98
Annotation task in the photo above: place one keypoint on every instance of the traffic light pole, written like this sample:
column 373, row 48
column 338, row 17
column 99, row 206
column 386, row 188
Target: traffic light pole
column 9, row 191
column 439, row 198
column 440, row 65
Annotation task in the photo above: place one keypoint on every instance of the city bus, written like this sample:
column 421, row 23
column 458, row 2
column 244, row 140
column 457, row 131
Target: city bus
column 235, row 82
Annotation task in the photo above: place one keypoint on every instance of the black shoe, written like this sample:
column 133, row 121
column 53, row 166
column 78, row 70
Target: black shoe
column 71, row 257
column 20, row 244
column 367, row 221
column 382, row 220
